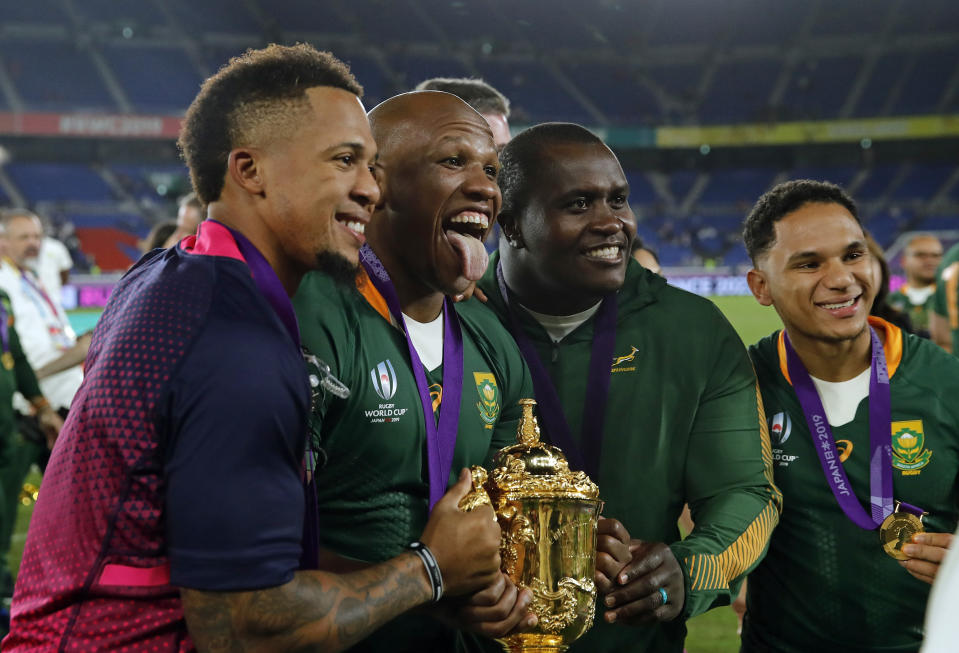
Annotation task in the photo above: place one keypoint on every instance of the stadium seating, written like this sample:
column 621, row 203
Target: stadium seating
column 58, row 182
column 619, row 64
column 171, row 86
column 54, row 75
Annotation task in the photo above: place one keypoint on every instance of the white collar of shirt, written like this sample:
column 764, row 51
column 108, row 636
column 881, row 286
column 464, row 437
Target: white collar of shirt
column 918, row 295
column 840, row 399
column 560, row 326
column 427, row 339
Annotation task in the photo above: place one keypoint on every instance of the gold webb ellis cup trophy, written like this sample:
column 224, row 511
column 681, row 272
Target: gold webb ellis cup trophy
column 548, row 515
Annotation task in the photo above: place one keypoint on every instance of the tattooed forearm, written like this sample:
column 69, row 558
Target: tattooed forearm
column 316, row 611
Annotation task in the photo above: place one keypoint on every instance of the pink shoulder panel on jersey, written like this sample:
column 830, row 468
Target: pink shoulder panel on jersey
column 212, row 239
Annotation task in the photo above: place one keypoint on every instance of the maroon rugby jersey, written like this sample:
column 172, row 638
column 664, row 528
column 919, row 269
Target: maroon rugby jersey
column 155, row 465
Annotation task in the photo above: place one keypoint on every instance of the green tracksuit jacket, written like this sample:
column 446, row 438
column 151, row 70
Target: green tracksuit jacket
column 684, row 424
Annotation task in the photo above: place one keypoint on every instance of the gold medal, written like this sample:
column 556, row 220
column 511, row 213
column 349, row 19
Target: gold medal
column 897, row 530
column 7, row 360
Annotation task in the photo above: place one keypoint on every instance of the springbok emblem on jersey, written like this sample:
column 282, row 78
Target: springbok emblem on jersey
column 488, row 405
column 628, row 358
column 908, row 447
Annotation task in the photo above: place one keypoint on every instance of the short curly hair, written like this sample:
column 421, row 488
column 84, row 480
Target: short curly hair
column 256, row 91
column 759, row 230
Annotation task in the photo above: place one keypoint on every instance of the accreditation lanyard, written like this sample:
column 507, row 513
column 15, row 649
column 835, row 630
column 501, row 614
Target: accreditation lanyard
column 441, row 437
column 38, row 290
column 880, row 446
column 59, row 329
column 587, row 456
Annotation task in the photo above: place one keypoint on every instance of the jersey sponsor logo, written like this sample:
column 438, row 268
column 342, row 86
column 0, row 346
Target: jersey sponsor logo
column 780, row 428
column 845, row 449
column 620, row 361
column 488, row 405
column 909, row 454
column 384, row 380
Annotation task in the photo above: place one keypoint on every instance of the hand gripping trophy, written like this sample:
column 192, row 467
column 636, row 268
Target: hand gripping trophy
column 548, row 515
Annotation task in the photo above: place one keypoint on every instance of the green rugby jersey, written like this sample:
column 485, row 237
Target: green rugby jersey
column 682, row 425
column 374, row 488
column 826, row 584
column 918, row 313
column 946, row 298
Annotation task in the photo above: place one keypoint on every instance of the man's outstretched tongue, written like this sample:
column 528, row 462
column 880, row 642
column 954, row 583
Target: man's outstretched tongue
column 473, row 256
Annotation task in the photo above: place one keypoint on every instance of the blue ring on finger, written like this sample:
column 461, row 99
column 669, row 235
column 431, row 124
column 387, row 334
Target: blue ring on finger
column 662, row 593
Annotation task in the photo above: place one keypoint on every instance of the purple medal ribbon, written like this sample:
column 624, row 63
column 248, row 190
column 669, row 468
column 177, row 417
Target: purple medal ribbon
column 268, row 283
column 587, row 456
column 440, row 438
column 264, row 276
column 4, row 329
column 880, row 446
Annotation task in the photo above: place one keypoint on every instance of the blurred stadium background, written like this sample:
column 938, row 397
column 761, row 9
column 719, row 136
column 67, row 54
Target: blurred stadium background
column 707, row 102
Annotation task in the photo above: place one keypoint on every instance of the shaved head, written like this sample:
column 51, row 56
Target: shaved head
column 437, row 170
column 406, row 120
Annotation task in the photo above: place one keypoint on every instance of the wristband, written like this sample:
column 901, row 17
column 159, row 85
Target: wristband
column 432, row 568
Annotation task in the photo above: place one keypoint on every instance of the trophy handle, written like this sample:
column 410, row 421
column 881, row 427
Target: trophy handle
column 477, row 496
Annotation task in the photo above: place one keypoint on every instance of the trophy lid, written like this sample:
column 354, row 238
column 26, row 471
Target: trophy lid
column 531, row 468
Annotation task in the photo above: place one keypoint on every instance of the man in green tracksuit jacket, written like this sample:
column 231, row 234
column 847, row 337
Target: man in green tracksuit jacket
column 682, row 422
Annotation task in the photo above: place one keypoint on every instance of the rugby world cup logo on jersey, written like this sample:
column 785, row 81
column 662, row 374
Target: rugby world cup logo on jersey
column 909, row 454
column 780, row 428
column 384, row 380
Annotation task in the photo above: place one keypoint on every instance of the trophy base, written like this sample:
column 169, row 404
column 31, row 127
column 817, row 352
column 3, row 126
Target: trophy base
column 534, row 643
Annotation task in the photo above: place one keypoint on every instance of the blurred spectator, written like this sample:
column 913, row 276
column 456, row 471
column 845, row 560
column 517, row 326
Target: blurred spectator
column 489, row 102
column 920, row 258
column 880, row 306
column 189, row 216
column 158, row 236
column 645, row 256
column 46, row 334
column 53, row 264
column 944, row 317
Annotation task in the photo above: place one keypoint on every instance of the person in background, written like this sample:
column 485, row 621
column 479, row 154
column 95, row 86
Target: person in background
column 53, row 264
column 46, row 333
column 881, row 306
column 920, row 259
column 944, row 316
column 646, row 257
column 490, row 103
column 190, row 214
column 158, row 236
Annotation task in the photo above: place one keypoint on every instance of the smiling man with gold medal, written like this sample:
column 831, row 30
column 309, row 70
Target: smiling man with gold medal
column 849, row 567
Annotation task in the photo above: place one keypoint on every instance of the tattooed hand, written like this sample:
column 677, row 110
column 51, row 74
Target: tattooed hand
column 316, row 611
